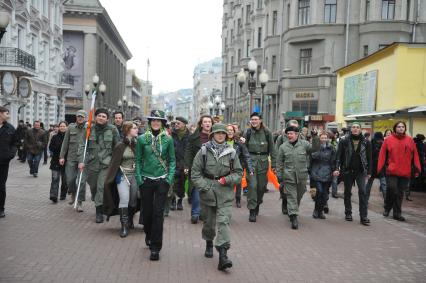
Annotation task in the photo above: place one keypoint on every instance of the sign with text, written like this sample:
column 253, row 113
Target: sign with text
column 359, row 95
column 305, row 96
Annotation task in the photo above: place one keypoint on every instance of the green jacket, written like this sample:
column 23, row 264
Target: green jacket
column 211, row 192
column 191, row 149
column 293, row 161
column 147, row 162
column 259, row 143
column 72, row 138
column 99, row 147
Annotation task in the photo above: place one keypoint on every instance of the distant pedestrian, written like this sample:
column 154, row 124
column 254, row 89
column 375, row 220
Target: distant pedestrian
column 399, row 156
column 121, row 189
column 35, row 142
column 58, row 170
column 8, row 142
column 196, row 140
column 353, row 160
column 155, row 171
column 387, row 133
column 243, row 156
column 118, row 122
column 323, row 168
column 419, row 182
column 141, row 126
column 20, row 135
column 215, row 171
column 376, row 145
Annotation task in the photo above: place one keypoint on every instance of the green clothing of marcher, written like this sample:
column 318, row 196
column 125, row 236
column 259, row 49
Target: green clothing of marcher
column 102, row 140
column 216, row 199
column 260, row 146
column 69, row 152
column 148, row 164
column 292, row 169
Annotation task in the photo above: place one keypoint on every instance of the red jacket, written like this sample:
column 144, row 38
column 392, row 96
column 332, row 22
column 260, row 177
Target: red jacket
column 400, row 152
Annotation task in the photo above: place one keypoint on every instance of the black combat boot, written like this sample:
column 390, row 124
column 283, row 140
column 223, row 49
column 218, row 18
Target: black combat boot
column 315, row 214
column 209, row 249
column 257, row 209
column 284, row 205
column 124, row 219
column 294, row 223
column 173, row 204
column 131, row 214
column 224, row 261
column 99, row 215
column 252, row 217
column 238, row 201
column 155, row 255
column 179, row 204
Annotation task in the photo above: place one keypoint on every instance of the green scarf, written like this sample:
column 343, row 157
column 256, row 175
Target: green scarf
column 181, row 133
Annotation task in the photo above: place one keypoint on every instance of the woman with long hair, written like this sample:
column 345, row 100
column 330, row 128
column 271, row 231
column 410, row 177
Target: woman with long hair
column 121, row 190
column 243, row 155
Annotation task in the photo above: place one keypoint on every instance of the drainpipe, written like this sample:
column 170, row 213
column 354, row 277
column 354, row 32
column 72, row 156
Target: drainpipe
column 348, row 14
column 416, row 21
column 277, row 97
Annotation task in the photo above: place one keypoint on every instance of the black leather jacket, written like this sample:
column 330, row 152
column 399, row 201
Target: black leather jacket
column 345, row 150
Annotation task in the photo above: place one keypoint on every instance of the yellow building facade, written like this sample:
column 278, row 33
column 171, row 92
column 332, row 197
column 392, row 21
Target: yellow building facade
column 387, row 86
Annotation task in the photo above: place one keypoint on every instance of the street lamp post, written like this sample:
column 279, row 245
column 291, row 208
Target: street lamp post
column 96, row 87
column 252, row 84
column 123, row 105
column 216, row 105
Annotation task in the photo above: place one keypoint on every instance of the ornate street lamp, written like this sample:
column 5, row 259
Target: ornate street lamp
column 252, row 84
column 4, row 22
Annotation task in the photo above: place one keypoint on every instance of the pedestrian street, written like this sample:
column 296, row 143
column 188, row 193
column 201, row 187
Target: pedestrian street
column 45, row 242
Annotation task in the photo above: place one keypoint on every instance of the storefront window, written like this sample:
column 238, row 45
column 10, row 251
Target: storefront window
column 308, row 107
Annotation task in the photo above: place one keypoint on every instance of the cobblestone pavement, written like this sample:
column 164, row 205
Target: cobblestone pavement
column 44, row 242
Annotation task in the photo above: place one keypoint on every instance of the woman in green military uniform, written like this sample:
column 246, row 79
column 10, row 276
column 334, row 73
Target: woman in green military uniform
column 215, row 171
column 155, row 171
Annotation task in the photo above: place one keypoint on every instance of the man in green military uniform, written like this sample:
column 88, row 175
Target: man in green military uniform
column 215, row 171
column 69, row 157
column 102, row 140
column 292, row 163
column 260, row 146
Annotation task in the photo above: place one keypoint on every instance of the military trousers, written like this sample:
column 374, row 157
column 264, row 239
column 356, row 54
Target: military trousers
column 220, row 218
column 294, row 193
column 256, row 189
column 96, row 181
column 72, row 174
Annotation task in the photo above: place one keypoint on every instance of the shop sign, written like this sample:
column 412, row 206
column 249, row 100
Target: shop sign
column 316, row 118
column 305, row 96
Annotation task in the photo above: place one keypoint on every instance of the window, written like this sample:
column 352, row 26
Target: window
column 274, row 22
column 232, row 62
column 304, row 6
column 226, row 42
column 248, row 48
column 21, row 38
column 232, row 36
column 248, row 11
column 259, row 37
column 231, row 92
column 367, row 10
column 239, row 27
column 305, row 61
column 408, row 9
column 308, row 107
column 365, row 53
column 226, row 92
column 267, row 25
column 238, row 56
column 330, row 11
column 226, row 67
column 34, row 46
column 388, row 9
column 259, row 4
column 274, row 66
column 288, row 16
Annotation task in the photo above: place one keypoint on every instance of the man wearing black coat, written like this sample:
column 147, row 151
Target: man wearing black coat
column 8, row 143
column 354, row 161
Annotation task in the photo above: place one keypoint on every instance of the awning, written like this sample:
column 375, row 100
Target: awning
column 372, row 114
column 421, row 108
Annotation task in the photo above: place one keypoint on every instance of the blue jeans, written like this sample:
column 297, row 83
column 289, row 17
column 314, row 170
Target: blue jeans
column 195, row 202
column 370, row 184
column 34, row 161
column 322, row 195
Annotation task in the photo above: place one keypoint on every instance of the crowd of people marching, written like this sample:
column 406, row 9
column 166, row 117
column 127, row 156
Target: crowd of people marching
column 131, row 167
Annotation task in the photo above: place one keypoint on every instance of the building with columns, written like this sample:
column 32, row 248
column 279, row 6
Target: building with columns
column 31, row 61
column 301, row 43
column 92, row 45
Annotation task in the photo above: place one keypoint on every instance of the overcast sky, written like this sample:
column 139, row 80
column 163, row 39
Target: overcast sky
column 175, row 35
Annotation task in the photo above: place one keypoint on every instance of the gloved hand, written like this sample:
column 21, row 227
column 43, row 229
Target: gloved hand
column 222, row 181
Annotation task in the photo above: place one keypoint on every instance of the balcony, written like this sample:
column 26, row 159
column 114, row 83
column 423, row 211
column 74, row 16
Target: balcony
column 18, row 61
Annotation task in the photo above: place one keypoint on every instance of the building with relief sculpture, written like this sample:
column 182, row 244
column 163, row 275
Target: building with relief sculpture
column 31, row 65
column 301, row 43
column 92, row 44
